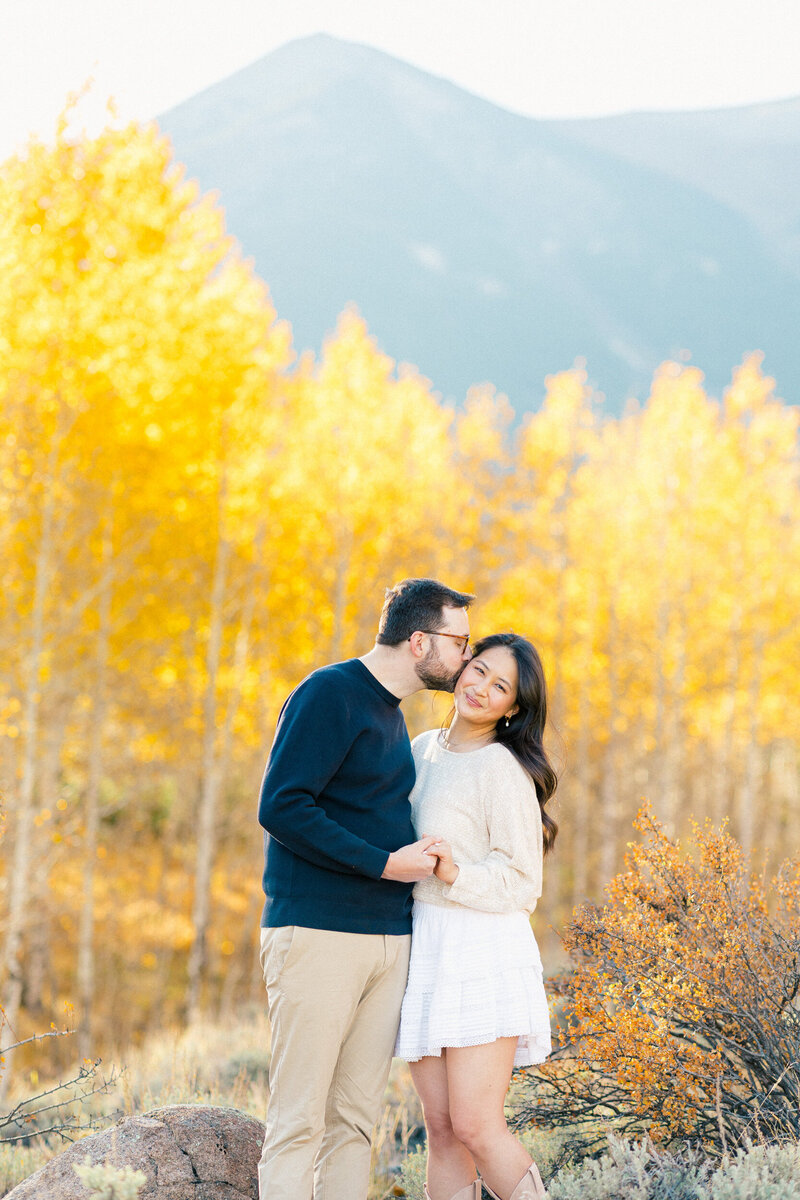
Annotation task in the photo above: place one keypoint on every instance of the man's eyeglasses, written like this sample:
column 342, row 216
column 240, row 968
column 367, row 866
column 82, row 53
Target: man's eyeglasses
column 463, row 642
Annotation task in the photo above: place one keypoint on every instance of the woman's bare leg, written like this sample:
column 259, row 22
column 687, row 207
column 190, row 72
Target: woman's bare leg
column 477, row 1082
column 450, row 1165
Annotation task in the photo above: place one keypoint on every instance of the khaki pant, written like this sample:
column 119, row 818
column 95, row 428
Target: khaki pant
column 334, row 1007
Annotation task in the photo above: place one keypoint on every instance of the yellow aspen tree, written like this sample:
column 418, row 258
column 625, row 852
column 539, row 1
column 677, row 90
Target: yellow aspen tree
column 537, row 590
column 127, row 314
column 364, row 482
column 761, row 439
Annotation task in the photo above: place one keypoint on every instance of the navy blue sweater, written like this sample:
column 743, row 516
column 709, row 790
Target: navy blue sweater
column 334, row 803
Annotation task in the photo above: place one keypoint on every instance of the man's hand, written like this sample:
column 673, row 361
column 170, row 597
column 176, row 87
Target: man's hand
column 411, row 863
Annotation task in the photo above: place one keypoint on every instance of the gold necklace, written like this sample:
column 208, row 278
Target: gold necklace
column 455, row 750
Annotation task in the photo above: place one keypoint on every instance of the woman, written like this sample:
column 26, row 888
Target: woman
column 475, row 1005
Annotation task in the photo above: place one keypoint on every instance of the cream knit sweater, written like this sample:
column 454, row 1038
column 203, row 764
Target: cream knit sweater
column 484, row 804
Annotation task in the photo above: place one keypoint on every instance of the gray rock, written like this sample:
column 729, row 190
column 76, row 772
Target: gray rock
column 187, row 1152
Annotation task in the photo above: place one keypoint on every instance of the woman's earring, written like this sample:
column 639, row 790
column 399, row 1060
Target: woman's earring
column 507, row 722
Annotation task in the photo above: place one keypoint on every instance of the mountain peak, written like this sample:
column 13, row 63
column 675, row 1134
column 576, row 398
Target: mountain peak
column 483, row 245
column 303, row 69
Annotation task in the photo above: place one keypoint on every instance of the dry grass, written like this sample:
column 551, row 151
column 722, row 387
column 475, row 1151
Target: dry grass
column 216, row 1064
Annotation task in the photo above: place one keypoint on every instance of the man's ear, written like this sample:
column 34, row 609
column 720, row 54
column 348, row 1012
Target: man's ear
column 417, row 645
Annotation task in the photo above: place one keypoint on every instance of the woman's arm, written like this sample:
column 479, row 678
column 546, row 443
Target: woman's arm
column 509, row 878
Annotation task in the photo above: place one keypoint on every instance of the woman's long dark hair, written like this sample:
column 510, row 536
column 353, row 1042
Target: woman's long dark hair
column 524, row 734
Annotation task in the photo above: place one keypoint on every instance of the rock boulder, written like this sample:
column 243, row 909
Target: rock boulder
column 187, row 1152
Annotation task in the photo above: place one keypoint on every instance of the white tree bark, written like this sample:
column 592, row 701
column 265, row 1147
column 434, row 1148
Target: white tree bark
column 210, row 782
column 750, row 788
column 610, row 778
column 86, row 962
column 580, row 817
column 19, row 881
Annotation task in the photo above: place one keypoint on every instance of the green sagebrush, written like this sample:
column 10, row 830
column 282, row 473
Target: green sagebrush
column 759, row 1173
column 639, row 1171
column 633, row 1171
column 110, row 1183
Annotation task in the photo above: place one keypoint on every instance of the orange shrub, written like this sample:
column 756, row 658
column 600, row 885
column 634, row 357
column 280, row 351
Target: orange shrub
column 680, row 1014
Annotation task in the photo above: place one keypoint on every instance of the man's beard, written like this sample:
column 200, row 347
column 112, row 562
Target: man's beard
column 433, row 673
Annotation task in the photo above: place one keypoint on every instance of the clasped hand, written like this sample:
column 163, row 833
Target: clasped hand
column 428, row 856
column 445, row 868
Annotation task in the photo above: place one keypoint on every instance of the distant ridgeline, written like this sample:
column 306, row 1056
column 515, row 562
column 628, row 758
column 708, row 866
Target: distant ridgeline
column 484, row 246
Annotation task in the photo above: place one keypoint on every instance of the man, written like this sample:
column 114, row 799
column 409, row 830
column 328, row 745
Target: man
column 341, row 859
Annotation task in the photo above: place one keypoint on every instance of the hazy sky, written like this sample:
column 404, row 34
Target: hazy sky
column 539, row 57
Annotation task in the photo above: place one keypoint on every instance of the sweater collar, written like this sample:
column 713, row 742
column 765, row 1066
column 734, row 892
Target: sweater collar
column 375, row 684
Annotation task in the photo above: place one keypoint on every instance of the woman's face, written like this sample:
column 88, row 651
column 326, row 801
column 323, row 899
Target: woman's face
column 487, row 687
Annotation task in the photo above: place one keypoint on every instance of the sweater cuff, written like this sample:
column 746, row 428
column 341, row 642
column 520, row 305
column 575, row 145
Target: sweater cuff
column 460, row 885
column 373, row 862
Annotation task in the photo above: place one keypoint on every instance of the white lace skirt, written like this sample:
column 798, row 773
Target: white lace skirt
column 473, row 977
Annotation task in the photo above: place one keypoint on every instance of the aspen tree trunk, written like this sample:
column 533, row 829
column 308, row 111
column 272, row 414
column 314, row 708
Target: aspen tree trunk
column 580, row 817
column 344, row 553
column 19, row 880
column 723, row 764
column 167, row 955
column 559, row 707
column 560, row 885
column 750, row 794
column 660, row 772
column 673, row 748
column 698, row 777
column 791, row 767
column 38, row 949
column 608, row 828
column 717, row 782
column 726, row 767
column 608, row 831
column 239, row 967
column 670, row 683
column 240, row 655
column 749, row 791
column 209, row 792
column 585, row 833
column 86, row 972
column 771, row 832
column 221, row 760
column 241, row 650
column 38, row 942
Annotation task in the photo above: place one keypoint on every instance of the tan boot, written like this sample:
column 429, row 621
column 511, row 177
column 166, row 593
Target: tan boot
column 530, row 1187
column 473, row 1192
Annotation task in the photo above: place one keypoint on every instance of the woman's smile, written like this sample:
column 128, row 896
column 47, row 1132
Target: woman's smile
column 486, row 691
